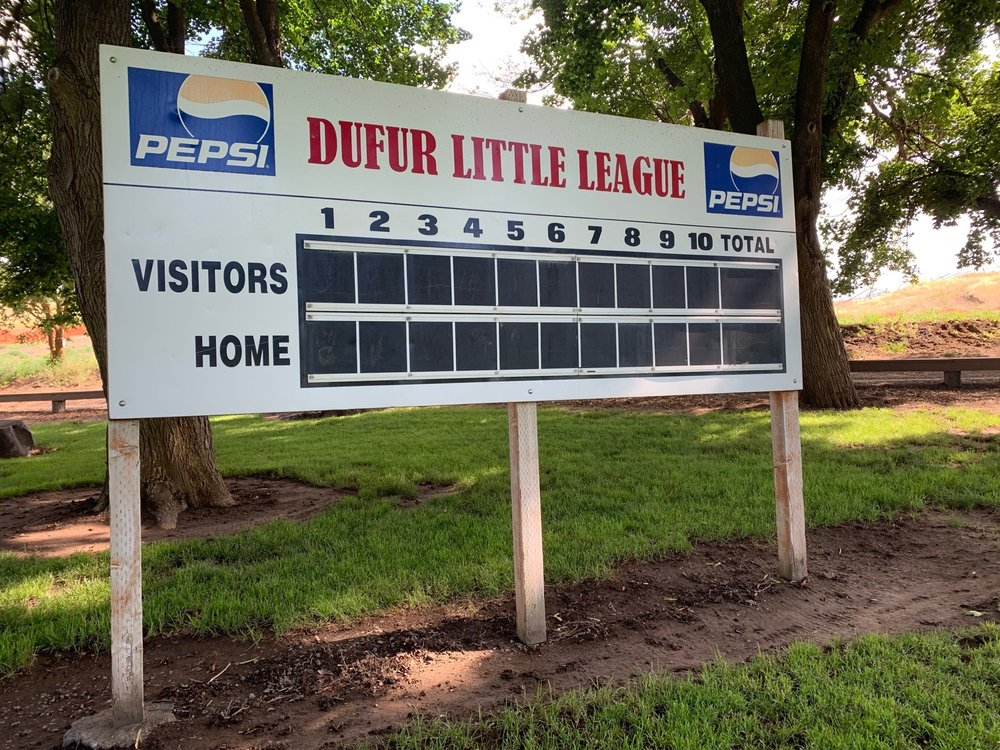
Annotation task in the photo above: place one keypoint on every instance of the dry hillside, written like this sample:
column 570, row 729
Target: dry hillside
column 967, row 294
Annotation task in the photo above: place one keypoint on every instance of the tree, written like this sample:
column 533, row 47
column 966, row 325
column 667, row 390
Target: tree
column 178, row 467
column 35, row 280
column 941, row 129
column 811, row 67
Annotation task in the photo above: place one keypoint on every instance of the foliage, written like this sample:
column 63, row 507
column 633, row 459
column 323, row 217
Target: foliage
column 915, row 80
column 35, row 280
column 944, row 126
column 399, row 41
column 608, row 495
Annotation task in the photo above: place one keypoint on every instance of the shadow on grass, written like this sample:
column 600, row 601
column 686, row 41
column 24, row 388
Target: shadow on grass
column 616, row 486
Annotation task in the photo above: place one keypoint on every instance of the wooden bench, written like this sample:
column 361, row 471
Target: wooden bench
column 58, row 399
column 952, row 367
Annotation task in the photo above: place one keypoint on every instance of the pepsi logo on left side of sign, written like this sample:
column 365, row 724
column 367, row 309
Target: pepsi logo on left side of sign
column 181, row 121
column 742, row 180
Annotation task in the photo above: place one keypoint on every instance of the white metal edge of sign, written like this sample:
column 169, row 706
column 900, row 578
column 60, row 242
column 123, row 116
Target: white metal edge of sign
column 218, row 174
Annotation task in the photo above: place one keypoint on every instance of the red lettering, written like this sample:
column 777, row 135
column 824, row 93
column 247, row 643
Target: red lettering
column 557, row 163
column 536, row 166
column 519, row 149
column 585, row 182
column 322, row 141
column 677, row 179
column 374, row 145
column 495, row 147
column 603, row 171
column 424, row 145
column 621, row 175
column 399, row 155
column 350, row 143
column 458, row 156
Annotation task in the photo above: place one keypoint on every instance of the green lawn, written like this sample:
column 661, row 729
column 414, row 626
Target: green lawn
column 938, row 690
column 31, row 362
column 615, row 486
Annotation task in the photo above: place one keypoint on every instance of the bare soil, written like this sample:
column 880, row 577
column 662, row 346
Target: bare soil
column 331, row 686
column 56, row 523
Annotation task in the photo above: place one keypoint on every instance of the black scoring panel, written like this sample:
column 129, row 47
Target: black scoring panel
column 407, row 314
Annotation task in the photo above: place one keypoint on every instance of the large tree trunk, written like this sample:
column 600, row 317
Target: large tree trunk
column 178, row 468
column 178, row 460
column 825, row 371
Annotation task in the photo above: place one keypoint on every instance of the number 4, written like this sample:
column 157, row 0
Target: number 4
column 472, row 227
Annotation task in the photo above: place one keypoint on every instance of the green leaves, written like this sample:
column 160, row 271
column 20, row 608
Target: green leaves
column 398, row 41
column 911, row 105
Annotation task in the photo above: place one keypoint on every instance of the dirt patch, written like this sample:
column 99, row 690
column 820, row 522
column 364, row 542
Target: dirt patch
column 952, row 338
column 61, row 522
column 328, row 687
column 23, row 335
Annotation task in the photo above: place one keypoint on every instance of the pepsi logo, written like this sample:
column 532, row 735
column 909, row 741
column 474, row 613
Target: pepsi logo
column 754, row 170
column 742, row 180
column 207, row 105
column 181, row 121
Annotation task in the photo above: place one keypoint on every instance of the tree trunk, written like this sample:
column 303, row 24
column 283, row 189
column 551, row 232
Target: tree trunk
column 57, row 340
column 732, row 68
column 178, row 468
column 826, row 373
column 178, row 459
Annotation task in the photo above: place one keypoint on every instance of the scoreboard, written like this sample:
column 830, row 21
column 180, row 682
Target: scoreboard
column 282, row 241
column 409, row 312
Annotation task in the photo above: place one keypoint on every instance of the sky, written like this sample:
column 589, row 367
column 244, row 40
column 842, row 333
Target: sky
column 488, row 63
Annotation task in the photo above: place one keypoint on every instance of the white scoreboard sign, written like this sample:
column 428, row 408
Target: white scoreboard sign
column 282, row 241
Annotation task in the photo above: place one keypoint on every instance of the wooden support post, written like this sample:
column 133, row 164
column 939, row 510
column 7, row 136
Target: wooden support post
column 786, row 447
column 526, row 504
column 953, row 378
column 126, row 573
column 58, row 406
column 787, row 452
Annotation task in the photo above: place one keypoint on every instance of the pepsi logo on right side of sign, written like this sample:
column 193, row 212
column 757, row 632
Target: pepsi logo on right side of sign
column 181, row 121
column 742, row 181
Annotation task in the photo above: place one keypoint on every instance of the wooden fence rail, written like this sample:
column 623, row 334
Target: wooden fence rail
column 58, row 398
column 952, row 367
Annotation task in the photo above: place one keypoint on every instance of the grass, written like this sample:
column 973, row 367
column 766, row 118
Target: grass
column 932, row 690
column 30, row 362
column 846, row 319
column 615, row 486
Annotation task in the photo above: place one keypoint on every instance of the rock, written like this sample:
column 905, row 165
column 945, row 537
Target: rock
column 15, row 439
column 98, row 732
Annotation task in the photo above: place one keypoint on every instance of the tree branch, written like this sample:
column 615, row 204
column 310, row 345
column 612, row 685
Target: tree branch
column 176, row 26
column 871, row 12
column 151, row 18
column 697, row 109
column 735, row 84
column 263, row 51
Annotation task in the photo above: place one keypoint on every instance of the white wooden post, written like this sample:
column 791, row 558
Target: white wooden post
column 526, row 505
column 126, row 573
column 786, row 448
